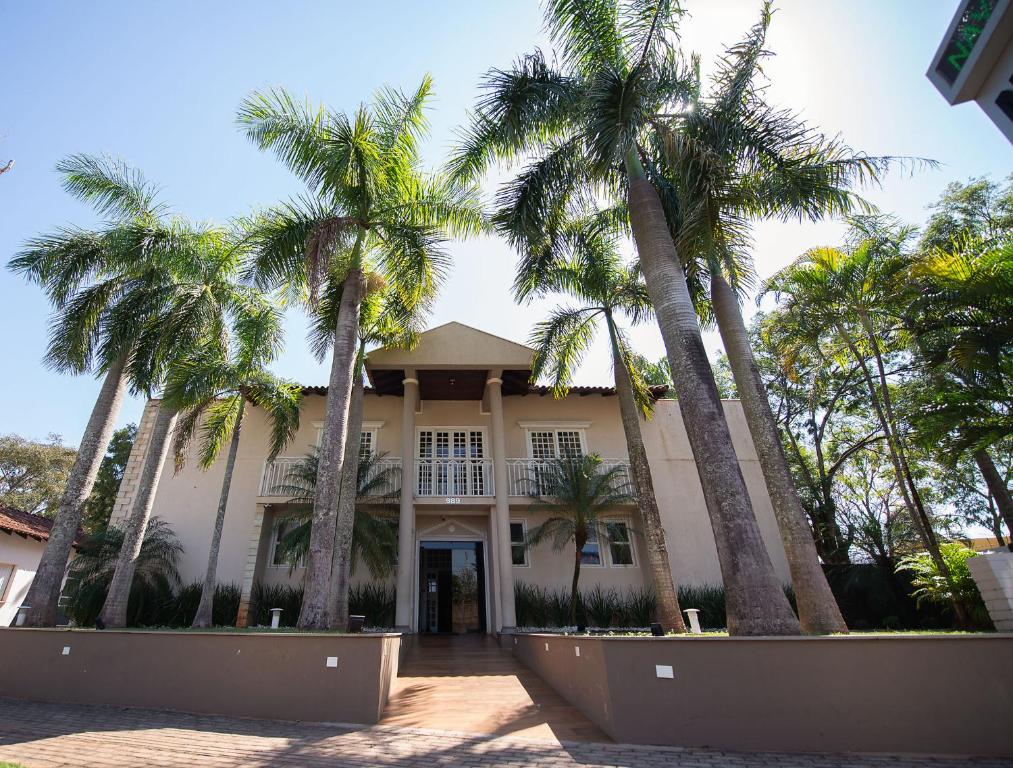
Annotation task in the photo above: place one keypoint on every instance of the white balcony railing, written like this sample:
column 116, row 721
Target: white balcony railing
column 277, row 480
column 522, row 474
column 454, row 477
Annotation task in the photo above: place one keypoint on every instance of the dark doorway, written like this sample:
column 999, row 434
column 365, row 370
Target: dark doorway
column 451, row 587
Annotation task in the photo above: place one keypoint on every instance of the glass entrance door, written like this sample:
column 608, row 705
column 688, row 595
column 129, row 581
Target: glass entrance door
column 451, row 587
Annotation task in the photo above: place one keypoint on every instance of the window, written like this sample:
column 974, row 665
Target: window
column 547, row 444
column 369, row 435
column 368, row 444
column 6, row 574
column 451, row 462
column 518, row 546
column 620, row 545
column 281, row 529
column 591, row 553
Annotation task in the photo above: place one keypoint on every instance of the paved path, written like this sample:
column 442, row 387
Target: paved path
column 51, row 735
column 466, row 683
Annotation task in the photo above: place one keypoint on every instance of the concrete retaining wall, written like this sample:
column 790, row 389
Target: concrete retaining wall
column 267, row 675
column 930, row 694
column 993, row 573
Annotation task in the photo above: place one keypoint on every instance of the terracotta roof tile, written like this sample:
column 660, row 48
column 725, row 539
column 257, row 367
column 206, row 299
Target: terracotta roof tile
column 24, row 523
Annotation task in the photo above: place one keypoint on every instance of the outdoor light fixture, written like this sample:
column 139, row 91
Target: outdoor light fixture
column 657, row 630
column 355, row 623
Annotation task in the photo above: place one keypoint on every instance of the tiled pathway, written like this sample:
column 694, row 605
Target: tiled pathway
column 51, row 735
column 466, row 683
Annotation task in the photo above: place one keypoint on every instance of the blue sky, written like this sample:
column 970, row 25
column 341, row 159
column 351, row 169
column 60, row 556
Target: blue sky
column 158, row 85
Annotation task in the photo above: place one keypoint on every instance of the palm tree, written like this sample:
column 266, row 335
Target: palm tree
column 375, row 218
column 606, row 289
column 730, row 158
column 591, row 123
column 195, row 299
column 374, row 539
column 86, row 274
column 575, row 491
column 212, row 392
column 845, row 291
column 91, row 572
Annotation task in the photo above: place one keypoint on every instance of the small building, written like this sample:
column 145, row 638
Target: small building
column 975, row 60
column 23, row 538
column 463, row 429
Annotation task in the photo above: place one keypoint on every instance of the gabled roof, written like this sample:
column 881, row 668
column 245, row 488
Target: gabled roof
column 454, row 345
column 25, row 524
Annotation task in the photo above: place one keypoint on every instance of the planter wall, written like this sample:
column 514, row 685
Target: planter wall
column 266, row 675
column 929, row 694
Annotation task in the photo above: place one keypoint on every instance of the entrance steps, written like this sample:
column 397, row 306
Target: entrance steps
column 467, row 683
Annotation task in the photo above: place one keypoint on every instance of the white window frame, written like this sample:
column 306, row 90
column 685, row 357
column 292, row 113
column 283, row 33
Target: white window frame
column 440, row 428
column 6, row 587
column 275, row 528
column 524, row 532
column 630, row 537
column 371, row 427
column 602, row 563
column 555, row 427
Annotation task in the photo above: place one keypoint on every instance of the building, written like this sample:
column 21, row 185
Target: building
column 975, row 60
column 460, row 407
column 23, row 538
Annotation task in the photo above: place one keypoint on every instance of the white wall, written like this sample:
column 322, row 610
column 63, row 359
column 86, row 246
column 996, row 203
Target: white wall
column 24, row 555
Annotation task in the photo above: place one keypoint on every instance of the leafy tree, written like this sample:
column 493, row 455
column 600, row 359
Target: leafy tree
column 971, row 496
column 212, row 392
column 606, row 291
column 100, row 504
column 374, row 219
column 981, row 208
column 586, row 124
column 33, row 474
column 575, row 492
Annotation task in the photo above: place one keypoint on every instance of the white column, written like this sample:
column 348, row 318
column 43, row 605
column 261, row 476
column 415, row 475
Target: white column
column 406, row 521
column 507, row 619
column 250, row 571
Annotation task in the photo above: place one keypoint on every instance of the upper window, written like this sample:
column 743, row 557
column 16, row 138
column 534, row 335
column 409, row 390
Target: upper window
column 556, row 443
column 518, row 547
column 369, row 436
column 368, row 444
column 6, row 574
column 620, row 544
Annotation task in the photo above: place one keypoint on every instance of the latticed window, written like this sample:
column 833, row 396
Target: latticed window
column 367, row 444
column 569, row 443
column 450, row 462
column 543, row 445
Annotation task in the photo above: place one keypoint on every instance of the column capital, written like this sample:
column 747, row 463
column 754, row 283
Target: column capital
column 409, row 380
column 494, row 380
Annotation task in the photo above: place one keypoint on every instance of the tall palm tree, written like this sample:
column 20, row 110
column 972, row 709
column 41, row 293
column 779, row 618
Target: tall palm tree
column 575, row 491
column 728, row 159
column 86, row 274
column 845, row 291
column 212, row 392
column 606, row 290
column 196, row 299
column 591, row 123
column 374, row 218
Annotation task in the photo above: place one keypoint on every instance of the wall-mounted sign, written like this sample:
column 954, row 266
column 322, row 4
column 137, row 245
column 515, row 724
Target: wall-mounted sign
column 963, row 39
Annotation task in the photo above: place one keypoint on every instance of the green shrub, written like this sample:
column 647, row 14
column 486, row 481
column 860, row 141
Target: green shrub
column 264, row 597
column 600, row 607
column 709, row 600
column 376, row 601
column 931, row 586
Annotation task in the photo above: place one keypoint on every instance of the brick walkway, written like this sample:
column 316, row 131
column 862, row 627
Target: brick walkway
column 50, row 735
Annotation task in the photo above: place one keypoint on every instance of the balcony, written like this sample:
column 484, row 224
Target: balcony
column 435, row 477
column 277, row 475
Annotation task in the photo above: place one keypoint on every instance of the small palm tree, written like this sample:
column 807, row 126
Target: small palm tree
column 374, row 539
column 374, row 219
column 155, row 578
column 212, row 392
column 606, row 290
column 575, row 491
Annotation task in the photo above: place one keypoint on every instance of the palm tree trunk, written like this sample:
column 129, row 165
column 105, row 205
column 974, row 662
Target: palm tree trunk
column 44, row 594
column 756, row 603
column 342, row 567
column 207, row 593
column 575, row 583
column 669, row 613
column 313, row 614
column 817, row 609
column 998, row 489
column 114, row 610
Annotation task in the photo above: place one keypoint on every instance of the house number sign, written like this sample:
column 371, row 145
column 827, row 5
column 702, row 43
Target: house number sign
column 453, row 500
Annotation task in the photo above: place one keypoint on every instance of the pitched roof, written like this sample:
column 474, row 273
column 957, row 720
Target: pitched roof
column 657, row 390
column 25, row 524
column 454, row 345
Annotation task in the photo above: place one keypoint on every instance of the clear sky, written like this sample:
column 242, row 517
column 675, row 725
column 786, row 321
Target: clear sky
column 158, row 85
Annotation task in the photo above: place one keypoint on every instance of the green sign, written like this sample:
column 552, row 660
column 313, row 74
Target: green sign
column 958, row 49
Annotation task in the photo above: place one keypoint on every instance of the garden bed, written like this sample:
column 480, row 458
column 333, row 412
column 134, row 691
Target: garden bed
column 285, row 675
column 876, row 692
